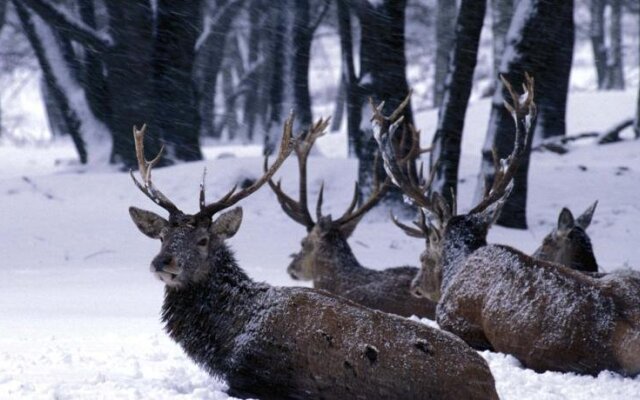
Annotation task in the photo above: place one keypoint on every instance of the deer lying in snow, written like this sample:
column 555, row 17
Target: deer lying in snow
column 326, row 257
column 548, row 316
column 289, row 343
column 568, row 244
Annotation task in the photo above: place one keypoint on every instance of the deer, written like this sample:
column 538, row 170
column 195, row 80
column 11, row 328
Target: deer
column 569, row 244
column 494, row 297
column 288, row 342
column 325, row 256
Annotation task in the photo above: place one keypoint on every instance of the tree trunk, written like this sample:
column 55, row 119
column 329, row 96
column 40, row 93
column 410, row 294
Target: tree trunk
column 615, row 75
column 538, row 27
column 383, row 78
column 349, row 75
column 71, row 119
column 596, row 31
column 302, row 36
column 553, row 84
column 130, row 84
column 501, row 14
column 210, row 54
column 175, row 108
column 445, row 33
column 338, row 112
column 445, row 154
column 636, row 126
column 251, row 100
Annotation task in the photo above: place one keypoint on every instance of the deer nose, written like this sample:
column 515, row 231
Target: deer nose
column 161, row 262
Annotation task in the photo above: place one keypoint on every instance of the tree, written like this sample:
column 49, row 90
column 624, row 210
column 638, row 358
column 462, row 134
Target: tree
column 607, row 59
column 382, row 78
column 445, row 32
column 501, row 13
column 445, row 154
column 537, row 26
column 145, row 58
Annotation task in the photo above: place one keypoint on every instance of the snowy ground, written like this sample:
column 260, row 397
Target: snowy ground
column 79, row 309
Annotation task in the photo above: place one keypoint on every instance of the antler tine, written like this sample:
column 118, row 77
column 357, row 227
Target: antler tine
column 375, row 197
column 523, row 112
column 232, row 197
column 409, row 230
column 299, row 210
column 145, row 167
column 319, row 202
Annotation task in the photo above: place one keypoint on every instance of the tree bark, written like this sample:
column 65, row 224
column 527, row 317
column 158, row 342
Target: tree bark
column 539, row 27
column 175, row 108
column 445, row 33
column 252, row 100
column 501, row 14
column 302, row 36
column 71, row 120
column 383, row 78
column 615, row 75
column 596, row 31
column 445, row 154
column 553, row 84
column 349, row 75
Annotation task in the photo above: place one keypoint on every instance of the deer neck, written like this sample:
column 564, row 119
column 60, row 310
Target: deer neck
column 334, row 263
column 212, row 313
column 458, row 245
column 582, row 258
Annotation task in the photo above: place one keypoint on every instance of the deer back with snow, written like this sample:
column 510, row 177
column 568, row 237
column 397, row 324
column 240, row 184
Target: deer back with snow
column 289, row 343
column 550, row 317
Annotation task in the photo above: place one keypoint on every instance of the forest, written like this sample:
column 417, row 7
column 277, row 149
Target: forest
column 471, row 166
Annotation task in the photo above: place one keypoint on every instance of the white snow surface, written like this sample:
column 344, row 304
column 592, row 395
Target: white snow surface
column 79, row 309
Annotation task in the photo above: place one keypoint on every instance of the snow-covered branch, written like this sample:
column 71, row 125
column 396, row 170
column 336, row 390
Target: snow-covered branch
column 68, row 25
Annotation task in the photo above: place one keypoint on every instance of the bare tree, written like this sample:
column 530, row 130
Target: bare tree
column 501, row 13
column 445, row 32
column 445, row 155
column 608, row 59
column 537, row 26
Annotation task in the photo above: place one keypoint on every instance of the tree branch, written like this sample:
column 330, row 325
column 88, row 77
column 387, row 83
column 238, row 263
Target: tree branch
column 68, row 25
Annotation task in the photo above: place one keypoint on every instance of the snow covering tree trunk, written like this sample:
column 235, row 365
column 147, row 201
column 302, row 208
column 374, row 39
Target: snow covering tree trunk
column 615, row 73
column 501, row 14
column 537, row 26
column 445, row 32
column 383, row 78
column 445, row 154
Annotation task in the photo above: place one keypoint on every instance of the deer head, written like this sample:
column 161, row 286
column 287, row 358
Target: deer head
column 438, row 223
column 189, row 242
column 568, row 244
column 324, row 227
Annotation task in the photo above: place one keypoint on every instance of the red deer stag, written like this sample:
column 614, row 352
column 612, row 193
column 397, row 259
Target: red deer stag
column 568, row 244
column 548, row 316
column 283, row 342
column 326, row 257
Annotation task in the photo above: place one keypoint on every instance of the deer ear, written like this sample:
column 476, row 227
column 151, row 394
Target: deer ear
column 584, row 220
column 151, row 224
column 227, row 223
column 565, row 220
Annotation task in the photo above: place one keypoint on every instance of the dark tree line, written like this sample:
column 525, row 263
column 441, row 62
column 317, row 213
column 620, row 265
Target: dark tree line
column 236, row 68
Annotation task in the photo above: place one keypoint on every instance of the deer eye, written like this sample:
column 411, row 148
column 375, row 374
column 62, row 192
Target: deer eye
column 203, row 242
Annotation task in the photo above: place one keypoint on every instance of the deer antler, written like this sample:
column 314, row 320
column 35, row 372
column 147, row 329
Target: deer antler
column 232, row 197
column 523, row 111
column 144, row 168
column 299, row 210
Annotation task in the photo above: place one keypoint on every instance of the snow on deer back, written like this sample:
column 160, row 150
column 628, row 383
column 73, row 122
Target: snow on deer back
column 548, row 316
column 290, row 343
